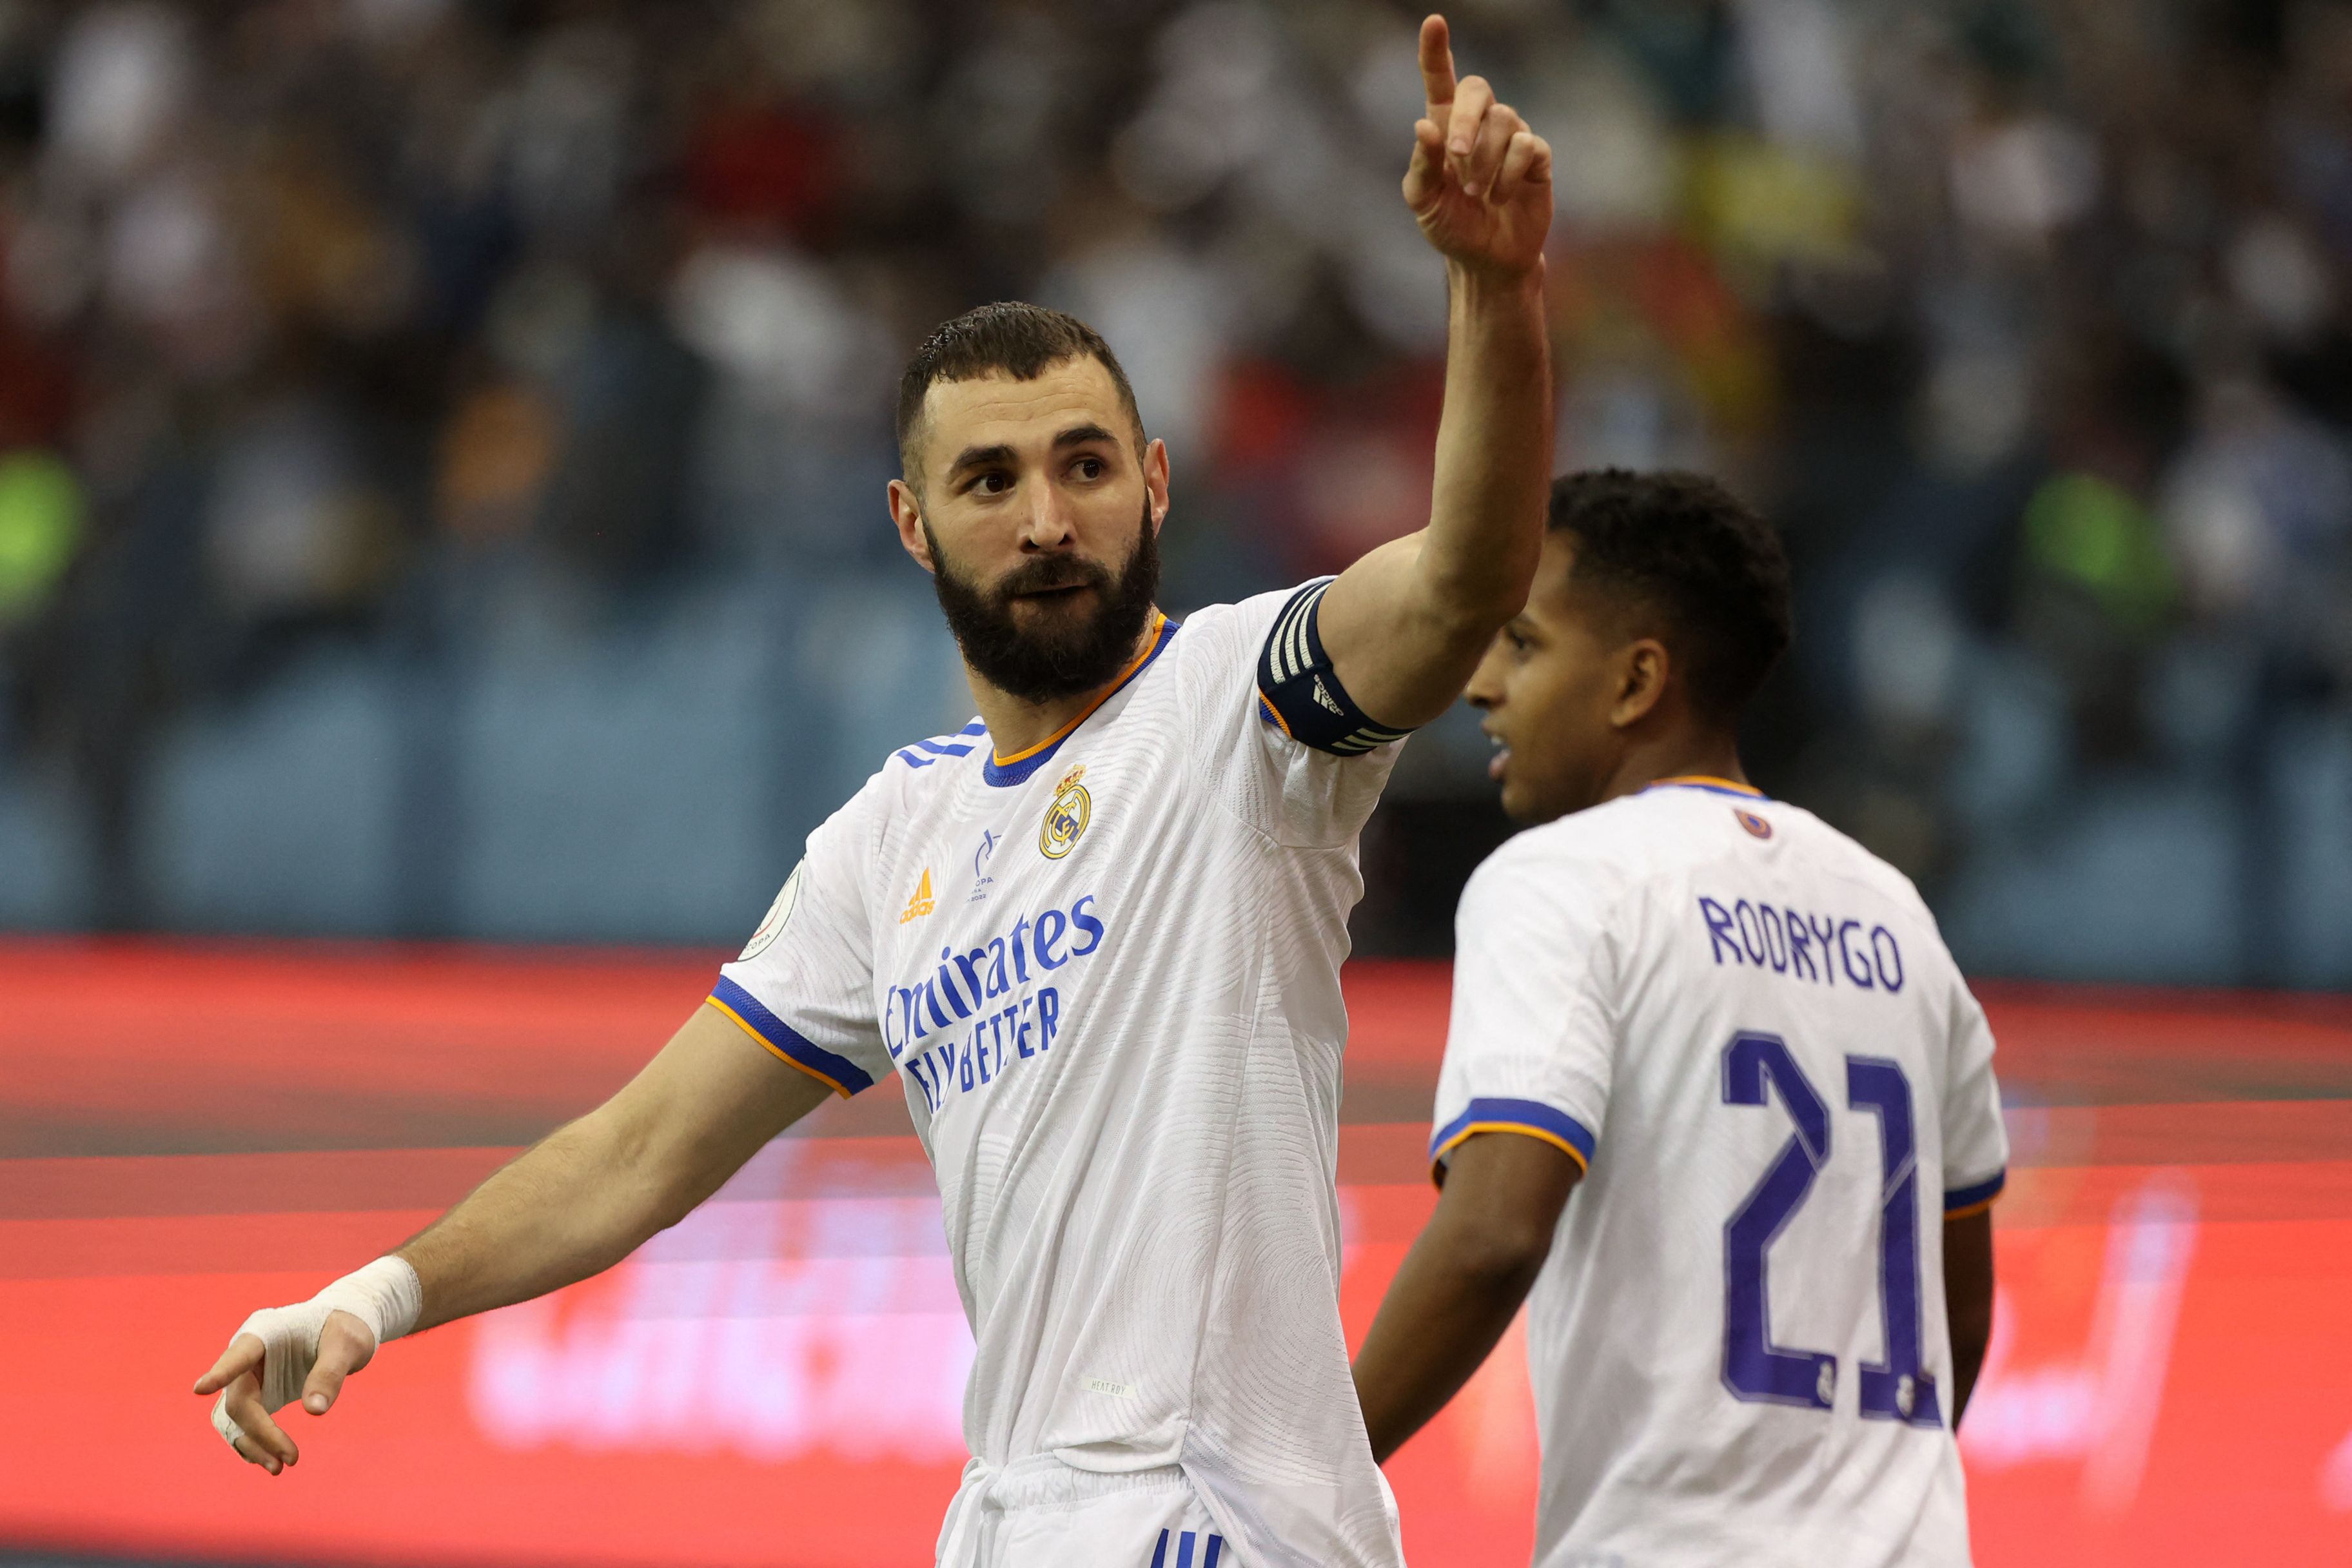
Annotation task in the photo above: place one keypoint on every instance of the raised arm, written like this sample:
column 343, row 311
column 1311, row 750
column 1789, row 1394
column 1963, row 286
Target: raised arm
column 1406, row 624
column 571, row 1205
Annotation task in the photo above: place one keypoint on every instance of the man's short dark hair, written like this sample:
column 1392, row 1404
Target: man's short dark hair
column 1008, row 338
column 1682, row 548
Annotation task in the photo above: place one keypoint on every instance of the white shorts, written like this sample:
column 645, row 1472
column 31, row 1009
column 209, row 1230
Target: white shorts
column 1042, row 1513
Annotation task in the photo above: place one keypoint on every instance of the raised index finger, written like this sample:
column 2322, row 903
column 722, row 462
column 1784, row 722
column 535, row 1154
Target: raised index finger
column 1436, row 66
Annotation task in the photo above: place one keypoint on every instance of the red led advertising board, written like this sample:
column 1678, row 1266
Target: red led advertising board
column 187, row 1134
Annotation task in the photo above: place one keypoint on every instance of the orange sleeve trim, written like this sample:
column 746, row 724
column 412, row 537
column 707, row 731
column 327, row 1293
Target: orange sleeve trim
column 1437, row 1155
column 777, row 1051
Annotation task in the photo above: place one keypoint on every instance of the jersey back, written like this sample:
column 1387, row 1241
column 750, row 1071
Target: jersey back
column 1750, row 1029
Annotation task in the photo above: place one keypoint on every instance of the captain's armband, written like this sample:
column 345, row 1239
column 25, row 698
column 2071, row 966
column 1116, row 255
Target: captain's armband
column 1299, row 694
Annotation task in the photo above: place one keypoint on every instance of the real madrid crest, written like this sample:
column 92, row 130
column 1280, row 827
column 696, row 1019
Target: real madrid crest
column 1066, row 817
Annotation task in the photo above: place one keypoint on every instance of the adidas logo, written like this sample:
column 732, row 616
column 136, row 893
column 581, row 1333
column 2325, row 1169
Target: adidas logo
column 922, row 902
column 1323, row 699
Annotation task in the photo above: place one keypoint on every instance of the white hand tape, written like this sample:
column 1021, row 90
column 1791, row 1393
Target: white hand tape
column 386, row 1296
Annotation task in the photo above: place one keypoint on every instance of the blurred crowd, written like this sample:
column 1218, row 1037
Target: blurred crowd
column 442, row 444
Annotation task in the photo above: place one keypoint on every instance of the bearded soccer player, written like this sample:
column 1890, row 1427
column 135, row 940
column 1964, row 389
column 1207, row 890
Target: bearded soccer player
column 1121, row 1050
column 1735, row 1036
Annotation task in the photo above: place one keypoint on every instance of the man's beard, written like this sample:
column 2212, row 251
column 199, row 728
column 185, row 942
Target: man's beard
column 1053, row 660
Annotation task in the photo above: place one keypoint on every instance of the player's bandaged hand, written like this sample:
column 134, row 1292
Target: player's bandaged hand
column 304, row 1351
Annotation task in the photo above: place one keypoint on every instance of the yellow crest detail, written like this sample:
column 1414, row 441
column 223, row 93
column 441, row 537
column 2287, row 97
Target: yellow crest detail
column 1073, row 776
column 922, row 904
column 1066, row 818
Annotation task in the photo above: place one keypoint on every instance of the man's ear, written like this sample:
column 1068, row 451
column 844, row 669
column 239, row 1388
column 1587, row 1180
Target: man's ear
column 1644, row 666
column 1155, row 480
column 907, row 512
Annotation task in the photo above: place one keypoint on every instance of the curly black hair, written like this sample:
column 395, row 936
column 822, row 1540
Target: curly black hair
column 1008, row 338
column 1681, row 547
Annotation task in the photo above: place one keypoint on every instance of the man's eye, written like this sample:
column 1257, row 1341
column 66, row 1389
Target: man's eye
column 1089, row 468
column 1519, row 644
column 992, row 484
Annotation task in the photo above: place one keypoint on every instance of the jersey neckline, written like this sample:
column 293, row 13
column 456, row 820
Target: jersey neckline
column 1708, row 783
column 1005, row 772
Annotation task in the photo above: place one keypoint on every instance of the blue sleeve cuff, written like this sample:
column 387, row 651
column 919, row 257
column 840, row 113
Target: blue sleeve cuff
column 1960, row 1201
column 1531, row 1118
column 843, row 1076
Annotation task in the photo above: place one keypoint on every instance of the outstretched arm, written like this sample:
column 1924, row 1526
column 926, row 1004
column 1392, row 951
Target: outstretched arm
column 593, row 1191
column 571, row 1205
column 1406, row 624
column 1462, row 1282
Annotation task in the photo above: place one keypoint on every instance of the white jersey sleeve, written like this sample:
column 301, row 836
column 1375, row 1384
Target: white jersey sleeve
column 1297, row 794
column 1976, row 1144
column 803, row 986
column 1531, row 1044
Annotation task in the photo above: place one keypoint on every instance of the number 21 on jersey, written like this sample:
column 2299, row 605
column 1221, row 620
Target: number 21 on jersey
column 1757, row 1067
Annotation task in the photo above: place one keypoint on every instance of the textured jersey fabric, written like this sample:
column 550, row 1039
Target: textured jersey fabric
column 1749, row 1028
column 1041, row 1513
column 1107, row 971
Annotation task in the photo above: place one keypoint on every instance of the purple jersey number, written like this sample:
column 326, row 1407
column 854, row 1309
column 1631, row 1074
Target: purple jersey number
column 1756, row 1067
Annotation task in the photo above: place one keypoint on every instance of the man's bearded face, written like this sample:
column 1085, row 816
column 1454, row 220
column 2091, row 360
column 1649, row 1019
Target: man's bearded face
column 1055, row 625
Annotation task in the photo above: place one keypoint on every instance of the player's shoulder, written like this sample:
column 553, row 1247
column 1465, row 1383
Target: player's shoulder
column 1241, row 626
column 1840, row 853
column 1634, row 834
column 931, row 751
column 1585, row 859
column 1215, row 649
column 1670, row 830
column 922, row 770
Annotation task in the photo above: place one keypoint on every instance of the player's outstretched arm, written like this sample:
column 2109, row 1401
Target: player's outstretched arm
column 1968, row 1301
column 574, row 1203
column 1405, row 625
column 1462, row 1282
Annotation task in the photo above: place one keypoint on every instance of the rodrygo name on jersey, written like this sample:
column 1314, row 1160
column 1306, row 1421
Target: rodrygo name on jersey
column 1807, row 945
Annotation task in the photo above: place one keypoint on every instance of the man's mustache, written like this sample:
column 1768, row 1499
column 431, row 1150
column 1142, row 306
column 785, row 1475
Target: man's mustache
column 1049, row 572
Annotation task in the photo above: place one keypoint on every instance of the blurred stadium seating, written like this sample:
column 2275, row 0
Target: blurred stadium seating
column 441, row 456
column 441, row 444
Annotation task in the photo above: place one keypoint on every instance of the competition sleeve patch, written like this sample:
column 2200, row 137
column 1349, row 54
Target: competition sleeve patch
column 1299, row 693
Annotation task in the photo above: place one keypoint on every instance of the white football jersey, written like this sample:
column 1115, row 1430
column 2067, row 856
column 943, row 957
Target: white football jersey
column 1747, row 1027
column 1107, row 969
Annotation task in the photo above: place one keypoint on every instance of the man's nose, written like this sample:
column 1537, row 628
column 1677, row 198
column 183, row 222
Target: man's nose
column 1486, row 689
column 1047, row 526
